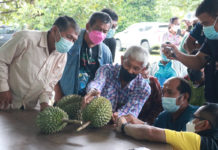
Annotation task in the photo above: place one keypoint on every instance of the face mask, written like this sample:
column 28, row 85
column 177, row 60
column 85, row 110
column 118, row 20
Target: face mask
column 169, row 104
column 190, row 126
column 210, row 31
column 125, row 75
column 110, row 33
column 96, row 36
column 164, row 58
column 63, row 45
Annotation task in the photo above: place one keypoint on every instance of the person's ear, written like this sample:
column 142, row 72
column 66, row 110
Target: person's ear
column 87, row 26
column 207, row 125
column 143, row 70
column 186, row 96
column 54, row 29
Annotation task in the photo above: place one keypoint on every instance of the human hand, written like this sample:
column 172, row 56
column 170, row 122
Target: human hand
column 5, row 99
column 133, row 120
column 89, row 97
column 115, row 117
column 170, row 51
column 43, row 106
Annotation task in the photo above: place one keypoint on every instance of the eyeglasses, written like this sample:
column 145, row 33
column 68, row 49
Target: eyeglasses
column 200, row 118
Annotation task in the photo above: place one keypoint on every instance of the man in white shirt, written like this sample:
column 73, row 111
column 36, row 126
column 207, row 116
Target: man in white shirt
column 32, row 63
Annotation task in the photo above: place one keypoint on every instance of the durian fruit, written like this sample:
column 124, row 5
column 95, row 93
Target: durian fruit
column 51, row 120
column 97, row 113
column 71, row 104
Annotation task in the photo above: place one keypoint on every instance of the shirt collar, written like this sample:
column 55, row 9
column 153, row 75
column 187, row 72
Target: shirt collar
column 43, row 40
column 167, row 65
column 209, row 132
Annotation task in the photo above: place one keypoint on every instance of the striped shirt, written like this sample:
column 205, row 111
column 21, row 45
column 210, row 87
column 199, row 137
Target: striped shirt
column 127, row 100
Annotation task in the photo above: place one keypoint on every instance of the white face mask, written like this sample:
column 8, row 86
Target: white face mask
column 190, row 126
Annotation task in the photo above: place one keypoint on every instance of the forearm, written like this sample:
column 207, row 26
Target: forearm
column 99, row 80
column 58, row 92
column 145, row 132
column 191, row 61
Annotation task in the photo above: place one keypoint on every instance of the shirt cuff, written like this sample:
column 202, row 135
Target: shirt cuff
column 4, row 86
column 46, row 98
column 92, row 89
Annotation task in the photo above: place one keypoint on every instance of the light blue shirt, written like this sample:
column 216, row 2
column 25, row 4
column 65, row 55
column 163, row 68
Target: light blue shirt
column 165, row 72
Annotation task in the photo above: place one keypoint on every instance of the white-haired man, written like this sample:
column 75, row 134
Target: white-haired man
column 122, row 84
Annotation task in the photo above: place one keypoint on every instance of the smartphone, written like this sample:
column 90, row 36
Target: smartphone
column 170, row 50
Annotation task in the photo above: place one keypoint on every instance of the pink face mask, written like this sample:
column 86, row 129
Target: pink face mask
column 96, row 36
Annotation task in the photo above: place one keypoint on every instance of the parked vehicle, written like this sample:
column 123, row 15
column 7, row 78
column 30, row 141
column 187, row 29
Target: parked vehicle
column 6, row 33
column 147, row 34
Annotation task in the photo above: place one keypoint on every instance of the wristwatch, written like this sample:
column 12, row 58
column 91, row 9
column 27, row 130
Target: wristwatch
column 122, row 127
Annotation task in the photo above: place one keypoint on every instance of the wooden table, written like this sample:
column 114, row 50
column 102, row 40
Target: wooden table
column 18, row 131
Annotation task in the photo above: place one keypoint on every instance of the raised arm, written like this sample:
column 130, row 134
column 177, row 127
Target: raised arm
column 191, row 61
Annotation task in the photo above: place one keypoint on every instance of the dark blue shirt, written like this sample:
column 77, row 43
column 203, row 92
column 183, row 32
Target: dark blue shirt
column 164, row 120
column 210, row 48
column 197, row 33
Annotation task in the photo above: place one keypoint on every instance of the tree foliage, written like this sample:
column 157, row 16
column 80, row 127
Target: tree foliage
column 40, row 14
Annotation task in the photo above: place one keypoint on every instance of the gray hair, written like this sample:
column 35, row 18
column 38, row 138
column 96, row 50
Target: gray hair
column 137, row 53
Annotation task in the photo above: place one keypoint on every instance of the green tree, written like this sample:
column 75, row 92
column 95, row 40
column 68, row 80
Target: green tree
column 40, row 14
column 166, row 9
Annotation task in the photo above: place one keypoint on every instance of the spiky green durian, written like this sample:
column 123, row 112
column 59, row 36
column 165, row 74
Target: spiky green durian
column 71, row 104
column 50, row 120
column 98, row 112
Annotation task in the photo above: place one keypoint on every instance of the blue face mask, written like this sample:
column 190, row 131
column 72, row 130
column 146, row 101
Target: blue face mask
column 110, row 33
column 164, row 58
column 169, row 104
column 210, row 31
column 63, row 45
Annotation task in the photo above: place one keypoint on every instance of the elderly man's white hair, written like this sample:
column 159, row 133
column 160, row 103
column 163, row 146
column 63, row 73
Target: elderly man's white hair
column 137, row 53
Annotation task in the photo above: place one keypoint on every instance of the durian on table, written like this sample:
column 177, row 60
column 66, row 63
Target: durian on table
column 71, row 104
column 52, row 120
column 96, row 114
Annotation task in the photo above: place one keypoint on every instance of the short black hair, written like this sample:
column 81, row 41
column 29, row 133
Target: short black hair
column 208, row 6
column 184, row 87
column 111, row 13
column 173, row 19
column 64, row 22
column 101, row 16
column 210, row 112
